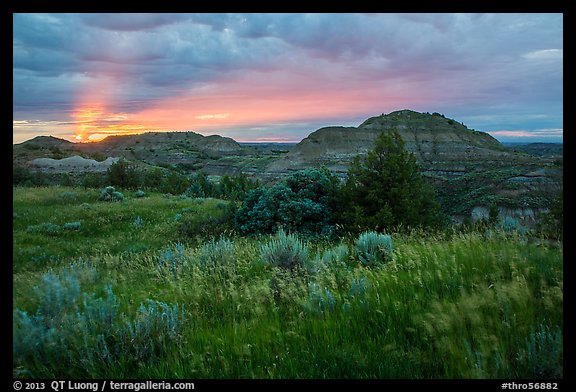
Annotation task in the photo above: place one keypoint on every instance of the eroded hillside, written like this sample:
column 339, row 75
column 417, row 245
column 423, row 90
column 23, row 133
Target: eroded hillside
column 470, row 170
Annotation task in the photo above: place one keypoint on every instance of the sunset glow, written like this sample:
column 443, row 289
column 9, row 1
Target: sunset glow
column 270, row 77
column 93, row 124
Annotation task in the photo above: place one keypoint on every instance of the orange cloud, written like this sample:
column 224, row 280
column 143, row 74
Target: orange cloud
column 94, row 124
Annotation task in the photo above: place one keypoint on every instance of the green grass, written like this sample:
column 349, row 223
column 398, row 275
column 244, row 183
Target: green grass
column 488, row 307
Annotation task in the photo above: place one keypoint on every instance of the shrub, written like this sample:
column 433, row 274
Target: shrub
column 374, row 248
column 171, row 258
column 359, row 288
column 510, row 224
column 216, row 253
column 358, row 292
column 336, row 256
column 45, row 228
column 20, row 175
column 139, row 194
column 542, row 355
column 156, row 325
column 493, row 214
column 138, row 222
column 285, row 251
column 117, row 196
column 320, row 300
column 76, row 333
column 152, row 178
column 257, row 213
column 552, row 223
column 110, row 194
column 333, row 259
column 72, row 226
column 66, row 318
column 303, row 203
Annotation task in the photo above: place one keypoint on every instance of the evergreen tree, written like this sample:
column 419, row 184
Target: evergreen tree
column 493, row 214
column 385, row 189
column 123, row 174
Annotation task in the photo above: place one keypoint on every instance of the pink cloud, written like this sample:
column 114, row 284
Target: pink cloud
column 549, row 132
column 272, row 98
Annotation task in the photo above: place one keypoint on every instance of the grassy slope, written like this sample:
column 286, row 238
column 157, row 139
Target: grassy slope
column 488, row 306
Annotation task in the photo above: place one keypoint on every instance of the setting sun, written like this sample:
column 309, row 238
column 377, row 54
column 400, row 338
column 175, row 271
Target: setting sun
column 94, row 124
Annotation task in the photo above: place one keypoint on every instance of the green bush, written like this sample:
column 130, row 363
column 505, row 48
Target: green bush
column 217, row 253
column 303, row 203
column 358, row 293
column 26, row 177
column 336, row 257
column 147, row 337
column 320, row 300
column 74, row 226
column 374, row 248
column 551, row 225
column 110, row 194
column 285, row 251
column 171, row 259
column 45, row 228
column 138, row 222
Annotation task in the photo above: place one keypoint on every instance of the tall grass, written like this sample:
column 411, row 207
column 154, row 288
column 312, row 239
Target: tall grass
column 489, row 307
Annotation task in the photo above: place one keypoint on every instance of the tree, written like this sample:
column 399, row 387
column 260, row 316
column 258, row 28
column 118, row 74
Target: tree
column 236, row 187
column 123, row 174
column 493, row 214
column 152, row 178
column 200, row 186
column 385, row 189
column 174, row 183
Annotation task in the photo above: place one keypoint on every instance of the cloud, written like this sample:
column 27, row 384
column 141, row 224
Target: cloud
column 313, row 67
column 545, row 54
column 546, row 134
column 132, row 21
column 517, row 133
column 212, row 116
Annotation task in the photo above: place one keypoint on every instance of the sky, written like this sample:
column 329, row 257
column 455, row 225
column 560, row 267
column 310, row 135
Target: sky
column 279, row 77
